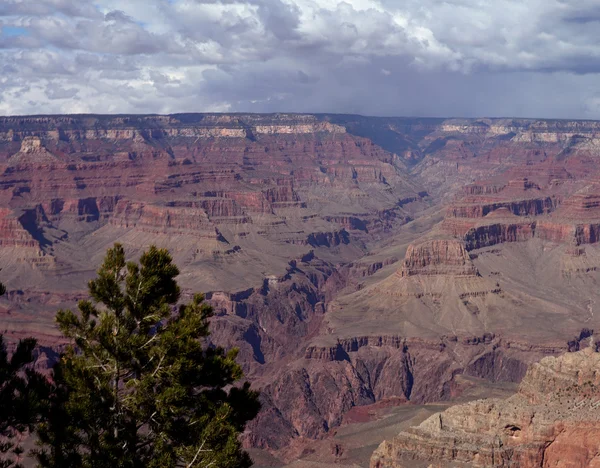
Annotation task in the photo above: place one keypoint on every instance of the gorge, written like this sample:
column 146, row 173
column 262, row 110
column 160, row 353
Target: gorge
column 358, row 263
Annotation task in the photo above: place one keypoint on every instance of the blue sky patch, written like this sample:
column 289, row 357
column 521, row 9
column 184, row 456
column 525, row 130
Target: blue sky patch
column 12, row 31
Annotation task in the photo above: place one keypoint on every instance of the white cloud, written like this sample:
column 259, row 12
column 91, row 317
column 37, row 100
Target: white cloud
column 415, row 57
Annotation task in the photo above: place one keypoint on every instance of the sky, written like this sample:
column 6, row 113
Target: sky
column 452, row 58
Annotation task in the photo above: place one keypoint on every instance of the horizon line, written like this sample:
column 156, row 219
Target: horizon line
column 338, row 114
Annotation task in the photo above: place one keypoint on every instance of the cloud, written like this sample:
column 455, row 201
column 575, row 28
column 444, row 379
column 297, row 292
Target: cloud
column 383, row 57
column 72, row 8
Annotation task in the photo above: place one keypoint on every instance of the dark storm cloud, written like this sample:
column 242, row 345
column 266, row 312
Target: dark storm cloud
column 386, row 57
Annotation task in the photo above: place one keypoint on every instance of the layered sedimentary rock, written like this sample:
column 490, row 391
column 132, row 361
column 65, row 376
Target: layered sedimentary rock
column 553, row 420
column 80, row 209
column 163, row 220
column 438, row 257
column 33, row 152
column 12, row 231
column 494, row 233
column 313, row 392
column 528, row 207
column 18, row 243
column 577, row 219
column 584, row 204
column 98, row 179
column 350, row 259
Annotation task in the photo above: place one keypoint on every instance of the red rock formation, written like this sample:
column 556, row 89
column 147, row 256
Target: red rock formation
column 80, row 209
column 32, row 152
column 568, row 233
column 491, row 234
column 283, row 197
column 367, row 369
column 288, row 189
column 435, row 257
column 584, row 204
column 12, row 232
column 530, row 207
column 457, row 227
column 552, row 421
column 219, row 210
column 163, row 220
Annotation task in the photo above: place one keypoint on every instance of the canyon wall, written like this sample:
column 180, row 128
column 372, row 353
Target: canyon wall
column 352, row 260
column 551, row 421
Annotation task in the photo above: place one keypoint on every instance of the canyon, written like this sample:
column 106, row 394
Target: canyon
column 363, row 266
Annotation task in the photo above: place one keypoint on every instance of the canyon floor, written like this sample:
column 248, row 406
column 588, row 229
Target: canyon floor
column 371, row 271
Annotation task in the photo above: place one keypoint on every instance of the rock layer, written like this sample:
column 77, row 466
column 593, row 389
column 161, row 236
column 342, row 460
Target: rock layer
column 553, row 420
column 294, row 226
column 438, row 257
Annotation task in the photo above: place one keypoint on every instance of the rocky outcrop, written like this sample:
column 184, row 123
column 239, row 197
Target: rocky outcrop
column 553, row 420
column 566, row 233
column 21, row 239
column 32, row 152
column 364, row 269
column 300, row 128
column 80, row 209
column 141, row 128
column 349, row 222
column 163, row 220
column 523, row 129
column 583, row 205
column 438, row 256
column 283, row 197
column 491, row 234
column 249, row 201
column 277, row 315
column 220, row 210
column 530, row 207
column 482, row 189
column 12, row 232
column 328, row 239
column 483, row 224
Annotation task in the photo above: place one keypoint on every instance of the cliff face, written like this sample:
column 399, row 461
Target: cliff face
column 201, row 185
column 530, row 207
column 497, row 233
column 551, row 421
column 350, row 259
column 312, row 395
column 438, row 257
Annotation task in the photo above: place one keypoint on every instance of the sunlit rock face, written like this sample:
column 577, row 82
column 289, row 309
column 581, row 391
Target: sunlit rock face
column 553, row 420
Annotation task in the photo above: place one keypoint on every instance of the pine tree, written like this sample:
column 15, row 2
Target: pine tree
column 137, row 388
column 22, row 393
